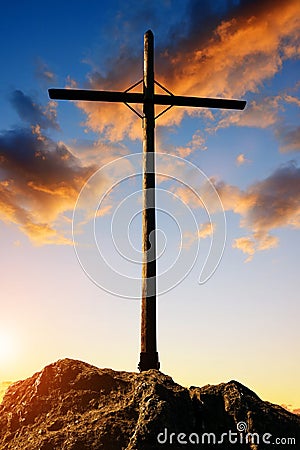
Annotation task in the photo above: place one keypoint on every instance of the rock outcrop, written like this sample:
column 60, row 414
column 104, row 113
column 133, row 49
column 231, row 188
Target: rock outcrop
column 71, row 405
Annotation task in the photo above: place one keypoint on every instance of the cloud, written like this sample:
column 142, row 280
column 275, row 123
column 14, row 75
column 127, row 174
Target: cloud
column 246, row 244
column 40, row 179
column 241, row 159
column 205, row 230
column 275, row 201
column 39, row 182
column 289, row 138
column 228, row 58
column 43, row 72
column 42, row 233
column 258, row 242
column 187, row 196
column 98, row 152
column 196, row 143
column 267, row 113
column 33, row 113
column 264, row 206
column 259, row 113
column 238, row 56
column 292, row 99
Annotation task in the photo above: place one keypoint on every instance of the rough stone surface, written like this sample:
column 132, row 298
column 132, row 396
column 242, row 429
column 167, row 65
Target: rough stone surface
column 71, row 405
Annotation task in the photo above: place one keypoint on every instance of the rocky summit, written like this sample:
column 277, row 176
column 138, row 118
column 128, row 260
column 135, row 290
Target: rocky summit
column 72, row 405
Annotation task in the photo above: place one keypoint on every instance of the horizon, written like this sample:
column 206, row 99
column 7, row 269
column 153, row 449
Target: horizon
column 4, row 385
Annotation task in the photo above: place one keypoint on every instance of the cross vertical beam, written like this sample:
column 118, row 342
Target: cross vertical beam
column 149, row 354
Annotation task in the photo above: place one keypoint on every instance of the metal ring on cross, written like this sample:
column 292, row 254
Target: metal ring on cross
column 107, row 222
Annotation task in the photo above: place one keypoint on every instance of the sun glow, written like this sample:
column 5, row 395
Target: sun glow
column 6, row 345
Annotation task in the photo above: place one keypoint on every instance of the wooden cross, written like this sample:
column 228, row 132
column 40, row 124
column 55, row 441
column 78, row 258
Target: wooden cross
column 148, row 98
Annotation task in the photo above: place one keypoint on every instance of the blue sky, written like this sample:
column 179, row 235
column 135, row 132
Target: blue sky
column 243, row 323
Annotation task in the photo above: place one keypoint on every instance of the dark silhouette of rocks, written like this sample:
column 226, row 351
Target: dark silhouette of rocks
column 72, row 405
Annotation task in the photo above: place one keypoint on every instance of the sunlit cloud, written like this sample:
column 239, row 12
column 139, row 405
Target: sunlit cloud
column 268, row 112
column 40, row 180
column 197, row 143
column 246, row 245
column 261, row 113
column 187, row 196
column 42, row 234
column 236, row 57
column 205, row 230
column 291, row 99
column 43, row 72
column 240, row 54
column 258, row 242
column 289, row 139
column 264, row 206
column 98, row 152
column 241, row 159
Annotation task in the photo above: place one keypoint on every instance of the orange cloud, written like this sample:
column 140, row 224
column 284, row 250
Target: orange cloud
column 259, row 114
column 246, row 244
column 103, row 211
column 241, row 159
column 205, row 230
column 266, row 113
column 292, row 99
column 265, row 206
column 238, row 57
column 187, row 196
column 258, row 242
column 40, row 180
column 289, row 138
column 197, row 143
column 42, row 233
column 242, row 53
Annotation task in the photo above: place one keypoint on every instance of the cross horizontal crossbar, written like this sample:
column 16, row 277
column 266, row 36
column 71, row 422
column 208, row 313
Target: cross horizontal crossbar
column 134, row 97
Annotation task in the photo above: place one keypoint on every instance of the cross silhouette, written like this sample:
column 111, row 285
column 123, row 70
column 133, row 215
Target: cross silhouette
column 148, row 98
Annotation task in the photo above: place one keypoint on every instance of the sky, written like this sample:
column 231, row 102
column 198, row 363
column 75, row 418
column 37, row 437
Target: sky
column 228, row 185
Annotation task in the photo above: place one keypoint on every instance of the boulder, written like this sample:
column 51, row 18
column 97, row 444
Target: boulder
column 72, row 405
